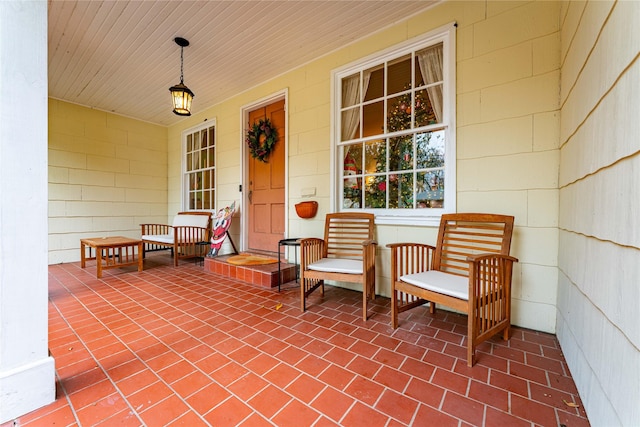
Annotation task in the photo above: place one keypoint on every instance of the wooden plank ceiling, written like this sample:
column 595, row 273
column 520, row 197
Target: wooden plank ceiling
column 120, row 56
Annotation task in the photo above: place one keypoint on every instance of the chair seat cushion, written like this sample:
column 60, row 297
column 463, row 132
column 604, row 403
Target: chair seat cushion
column 337, row 265
column 442, row 283
column 162, row 238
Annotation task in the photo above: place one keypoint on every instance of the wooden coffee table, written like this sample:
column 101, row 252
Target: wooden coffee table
column 111, row 252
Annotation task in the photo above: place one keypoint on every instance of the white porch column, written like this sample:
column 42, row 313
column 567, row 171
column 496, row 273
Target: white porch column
column 27, row 372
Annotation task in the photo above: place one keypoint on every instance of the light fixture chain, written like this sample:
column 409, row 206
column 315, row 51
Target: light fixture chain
column 181, row 65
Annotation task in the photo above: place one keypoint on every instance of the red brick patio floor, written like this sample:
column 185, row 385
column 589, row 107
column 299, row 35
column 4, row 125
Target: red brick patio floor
column 179, row 346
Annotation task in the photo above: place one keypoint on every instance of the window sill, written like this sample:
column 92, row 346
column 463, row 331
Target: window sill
column 428, row 219
column 424, row 221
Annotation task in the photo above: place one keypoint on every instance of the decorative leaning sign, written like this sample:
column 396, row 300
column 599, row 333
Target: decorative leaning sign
column 261, row 139
column 221, row 224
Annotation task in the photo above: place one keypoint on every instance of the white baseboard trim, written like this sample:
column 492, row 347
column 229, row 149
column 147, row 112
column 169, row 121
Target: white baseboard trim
column 27, row 388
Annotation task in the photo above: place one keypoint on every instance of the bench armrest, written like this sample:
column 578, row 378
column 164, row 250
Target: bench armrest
column 155, row 229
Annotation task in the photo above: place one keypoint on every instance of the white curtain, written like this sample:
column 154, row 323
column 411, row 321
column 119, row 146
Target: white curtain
column 430, row 61
column 351, row 120
column 351, row 96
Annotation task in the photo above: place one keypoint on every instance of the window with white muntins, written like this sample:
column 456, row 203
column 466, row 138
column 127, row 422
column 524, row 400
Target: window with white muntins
column 394, row 138
column 199, row 168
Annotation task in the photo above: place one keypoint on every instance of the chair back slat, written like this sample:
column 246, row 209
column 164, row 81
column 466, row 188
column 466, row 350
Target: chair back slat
column 462, row 235
column 344, row 233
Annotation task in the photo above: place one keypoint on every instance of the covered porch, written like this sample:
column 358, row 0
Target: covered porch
column 546, row 130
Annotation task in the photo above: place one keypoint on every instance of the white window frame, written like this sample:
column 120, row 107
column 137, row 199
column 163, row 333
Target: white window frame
column 184, row 177
column 429, row 216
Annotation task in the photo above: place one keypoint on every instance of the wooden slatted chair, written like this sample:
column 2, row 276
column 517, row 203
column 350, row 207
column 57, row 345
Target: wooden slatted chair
column 468, row 270
column 187, row 237
column 347, row 254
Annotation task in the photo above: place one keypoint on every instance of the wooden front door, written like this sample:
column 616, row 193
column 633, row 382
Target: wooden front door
column 266, row 185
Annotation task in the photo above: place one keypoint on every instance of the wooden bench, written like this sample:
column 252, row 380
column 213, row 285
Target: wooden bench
column 468, row 270
column 186, row 237
column 346, row 254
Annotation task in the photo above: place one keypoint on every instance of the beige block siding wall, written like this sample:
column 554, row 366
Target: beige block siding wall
column 508, row 78
column 599, row 231
column 107, row 175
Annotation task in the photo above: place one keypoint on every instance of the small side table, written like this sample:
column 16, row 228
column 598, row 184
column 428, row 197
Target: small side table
column 118, row 252
column 288, row 242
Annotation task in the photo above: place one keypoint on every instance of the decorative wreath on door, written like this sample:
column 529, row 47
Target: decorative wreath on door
column 261, row 139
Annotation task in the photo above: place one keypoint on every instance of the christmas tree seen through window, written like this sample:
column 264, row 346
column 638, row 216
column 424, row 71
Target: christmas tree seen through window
column 394, row 156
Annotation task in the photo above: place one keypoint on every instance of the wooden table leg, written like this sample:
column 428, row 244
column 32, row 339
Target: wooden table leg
column 140, row 257
column 99, row 262
column 82, row 255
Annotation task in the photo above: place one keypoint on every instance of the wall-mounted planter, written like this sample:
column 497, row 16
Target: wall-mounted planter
column 307, row 209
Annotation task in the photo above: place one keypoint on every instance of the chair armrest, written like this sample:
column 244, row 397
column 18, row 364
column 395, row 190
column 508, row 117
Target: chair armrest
column 311, row 250
column 155, row 229
column 409, row 258
column 369, row 249
column 479, row 257
column 490, row 278
column 369, row 255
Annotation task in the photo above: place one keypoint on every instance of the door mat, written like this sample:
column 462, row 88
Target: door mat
column 249, row 259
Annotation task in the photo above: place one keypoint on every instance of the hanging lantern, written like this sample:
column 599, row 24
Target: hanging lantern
column 181, row 95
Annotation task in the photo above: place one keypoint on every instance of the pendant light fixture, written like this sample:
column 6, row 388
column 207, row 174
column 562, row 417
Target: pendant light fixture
column 180, row 94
